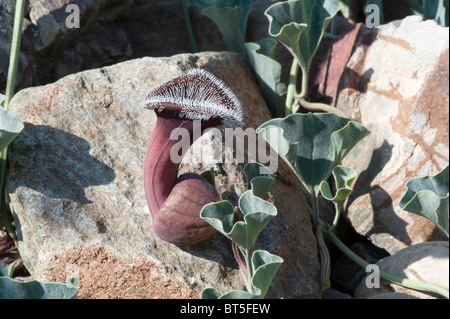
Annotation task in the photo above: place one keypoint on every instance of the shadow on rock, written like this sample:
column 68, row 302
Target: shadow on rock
column 56, row 164
column 384, row 216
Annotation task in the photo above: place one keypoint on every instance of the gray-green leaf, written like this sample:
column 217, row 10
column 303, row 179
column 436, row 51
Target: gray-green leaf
column 209, row 176
column 13, row 289
column 10, row 127
column 259, row 178
column 300, row 25
column 312, row 144
column 265, row 266
column 268, row 74
column 257, row 214
column 429, row 197
column 432, row 9
column 343, row 177
column 230, row 17
column 6, row 270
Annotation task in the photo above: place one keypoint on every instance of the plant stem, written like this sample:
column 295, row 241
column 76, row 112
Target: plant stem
column 248, row 282
column 10, row 87
column 305, row 79
column 15, row 51
column 6, row 221
column 188, row 25
column 325, row 267
column 321, row 107
column 292, row 87
column 392, row 278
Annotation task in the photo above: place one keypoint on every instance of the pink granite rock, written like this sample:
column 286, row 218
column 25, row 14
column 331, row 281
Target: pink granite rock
column 395, row 81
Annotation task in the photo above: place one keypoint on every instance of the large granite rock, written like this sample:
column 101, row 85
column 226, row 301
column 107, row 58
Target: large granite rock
column 76, row 190
column 395, row 81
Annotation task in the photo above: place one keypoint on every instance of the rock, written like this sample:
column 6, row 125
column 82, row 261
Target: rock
column 395, row 81
column 392, row 295
column 110, row 32
column 47, row 33
column 76, row 191
column 334, row 294
column 424, row 262
column 347, row 274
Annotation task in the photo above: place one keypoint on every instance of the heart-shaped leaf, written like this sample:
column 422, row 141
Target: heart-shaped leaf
column 10, row 127
column 300, row 26
column 259, row 178
column 268, row 74
column 312, row 144
column 265, row 266
column 429, row 197
column 257, row 214
column 343, row 178
column 230, row 17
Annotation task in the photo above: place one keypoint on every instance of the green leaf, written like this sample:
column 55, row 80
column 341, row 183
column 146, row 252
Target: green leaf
column 236, row 190
column 343, row 177
column 257, row 214
column 432, row 9
column 6, row 270
column 237, row 294
column 268, row 74
column 210, row 293
column 209, row 176
column 300, row 26
column 259, row 178
column 230, row 17
column 13, row 289
column 346, row 8
column 10, row 127
column 312, row 144
column 429, row 197
column 265, row 266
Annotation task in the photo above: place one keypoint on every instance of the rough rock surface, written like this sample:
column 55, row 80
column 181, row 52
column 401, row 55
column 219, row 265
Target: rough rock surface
column 110, row 32
column 425, row 262
column 97, row 42
column 76, row 190
column 395, row 81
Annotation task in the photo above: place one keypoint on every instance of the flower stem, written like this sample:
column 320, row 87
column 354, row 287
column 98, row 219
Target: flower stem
column 422, row 286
